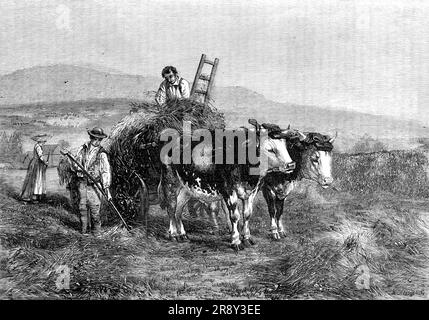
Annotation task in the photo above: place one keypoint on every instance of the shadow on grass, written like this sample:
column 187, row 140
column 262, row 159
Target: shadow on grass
column 200, row 231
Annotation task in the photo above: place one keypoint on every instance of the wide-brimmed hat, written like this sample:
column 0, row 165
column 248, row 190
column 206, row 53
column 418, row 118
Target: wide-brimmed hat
column 42, row 137
column 97, row 133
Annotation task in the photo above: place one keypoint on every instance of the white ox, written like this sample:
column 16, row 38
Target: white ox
column 312, row 153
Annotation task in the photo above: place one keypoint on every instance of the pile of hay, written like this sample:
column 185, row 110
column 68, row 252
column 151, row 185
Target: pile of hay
column 130, row 162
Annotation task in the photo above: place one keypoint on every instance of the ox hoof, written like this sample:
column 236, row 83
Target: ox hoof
column 183, row 238
column 282, row 234
column 237, row 246
column 275, row 236
column 172, row 238
column 248, row 242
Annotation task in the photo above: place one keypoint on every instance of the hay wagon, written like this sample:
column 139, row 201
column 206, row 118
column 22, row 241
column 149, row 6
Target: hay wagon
column 134, row 146
column 134, row 150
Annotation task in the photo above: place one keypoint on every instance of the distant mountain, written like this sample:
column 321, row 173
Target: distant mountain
column 100, row 68
column 239, row 104
column 71, row 83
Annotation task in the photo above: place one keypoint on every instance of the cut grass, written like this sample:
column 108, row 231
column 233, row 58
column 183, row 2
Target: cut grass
column 404, row 173
column 39, row 240
column 344, row 252
column 332, row 238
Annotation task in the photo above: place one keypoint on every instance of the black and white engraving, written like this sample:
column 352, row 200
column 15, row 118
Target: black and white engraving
column 213, row 150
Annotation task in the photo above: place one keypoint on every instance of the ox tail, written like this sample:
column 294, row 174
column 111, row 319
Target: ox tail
column 161, row 191
column 161, row 196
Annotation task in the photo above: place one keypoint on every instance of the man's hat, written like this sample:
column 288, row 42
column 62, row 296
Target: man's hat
column 43, row 137
column 97, row 133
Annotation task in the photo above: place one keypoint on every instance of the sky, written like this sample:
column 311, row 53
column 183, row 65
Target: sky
column 369, row 56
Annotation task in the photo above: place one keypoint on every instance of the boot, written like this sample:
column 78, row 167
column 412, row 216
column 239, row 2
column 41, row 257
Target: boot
column 34, row 199
column 84, row 222
column 97, row 228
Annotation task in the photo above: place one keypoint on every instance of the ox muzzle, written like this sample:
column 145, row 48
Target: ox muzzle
column 326, row 182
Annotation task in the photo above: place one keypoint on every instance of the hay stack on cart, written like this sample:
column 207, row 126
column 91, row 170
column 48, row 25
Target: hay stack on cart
column 134, row 148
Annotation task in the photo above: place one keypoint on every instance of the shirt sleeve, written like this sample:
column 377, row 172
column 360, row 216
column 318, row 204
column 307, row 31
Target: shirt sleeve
column 184, row 89
column 39, row 152
column 105, row 172
column 161, row 95
column 79, row 156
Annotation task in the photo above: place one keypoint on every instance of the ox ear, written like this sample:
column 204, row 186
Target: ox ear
column 254, row 123
column 333, row 138
column 271, row 127
column 277, row 135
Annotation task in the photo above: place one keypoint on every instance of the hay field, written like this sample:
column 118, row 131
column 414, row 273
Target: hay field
column 340, row 244
column 64, row 120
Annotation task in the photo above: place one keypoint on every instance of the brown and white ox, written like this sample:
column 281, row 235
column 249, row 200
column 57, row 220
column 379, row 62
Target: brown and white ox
column 209, row 181
column 312, row 153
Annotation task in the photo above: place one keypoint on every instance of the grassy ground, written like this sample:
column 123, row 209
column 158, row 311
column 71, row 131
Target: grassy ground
column 338, row 246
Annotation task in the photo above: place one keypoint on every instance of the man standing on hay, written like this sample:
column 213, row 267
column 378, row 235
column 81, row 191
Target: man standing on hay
column 173, row 86
column 34, row 187
column 94, row 159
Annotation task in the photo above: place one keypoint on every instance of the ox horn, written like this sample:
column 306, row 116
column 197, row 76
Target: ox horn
column 334, row 137
column 302, row 136
column 287, row 130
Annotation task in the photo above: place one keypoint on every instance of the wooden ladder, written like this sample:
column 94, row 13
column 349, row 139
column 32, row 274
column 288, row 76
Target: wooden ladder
column 209, row 79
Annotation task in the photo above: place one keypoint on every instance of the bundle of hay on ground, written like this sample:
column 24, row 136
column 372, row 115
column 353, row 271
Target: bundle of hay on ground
column 131, row 162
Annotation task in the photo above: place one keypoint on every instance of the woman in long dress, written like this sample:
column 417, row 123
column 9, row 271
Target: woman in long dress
column 34, row 188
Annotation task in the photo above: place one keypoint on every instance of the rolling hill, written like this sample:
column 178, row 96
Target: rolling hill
column 71, row 88
column 70, row 83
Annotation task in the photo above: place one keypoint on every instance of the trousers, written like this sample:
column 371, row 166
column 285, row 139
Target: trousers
column 89, row 207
